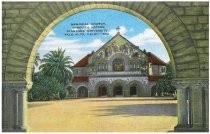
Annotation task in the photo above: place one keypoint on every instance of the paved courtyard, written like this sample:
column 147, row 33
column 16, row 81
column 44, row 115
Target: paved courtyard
column 103, row 115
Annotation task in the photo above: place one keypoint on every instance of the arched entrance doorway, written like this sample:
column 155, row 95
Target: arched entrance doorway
column 133, row 90
column 185, row 46
column 82, row 92
column 118, row 90
column 102, row 91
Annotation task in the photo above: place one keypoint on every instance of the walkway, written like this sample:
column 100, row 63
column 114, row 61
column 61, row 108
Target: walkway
column 103, row 115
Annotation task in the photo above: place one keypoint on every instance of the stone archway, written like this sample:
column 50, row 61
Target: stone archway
column 119, row 88
column 82, row 92
column 102, row 88
column 102, row 91
column 136, row 88
column 133, row 90
column 183, row 28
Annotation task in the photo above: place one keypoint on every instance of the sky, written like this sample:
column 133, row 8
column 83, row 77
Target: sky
column 75, row 36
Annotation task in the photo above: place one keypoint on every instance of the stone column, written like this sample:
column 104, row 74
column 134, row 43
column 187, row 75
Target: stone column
column 182, row 112
column 206, row 90
column 14, row 105
column 182, row 107
column 21, row 107
column 198, row 109
column 126, row 91
column 199, row 106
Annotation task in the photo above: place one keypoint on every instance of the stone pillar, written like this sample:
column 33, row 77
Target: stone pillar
column 182, row 107
column 126, row 93
column 206, row 90
column 196, row 119
column 199, row 106
column 14, row 106
column 21, row 107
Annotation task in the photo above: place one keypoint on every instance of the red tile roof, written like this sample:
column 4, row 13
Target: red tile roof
column 83, row 62
column 80, row 79
column 154, row 78
column 154, row 59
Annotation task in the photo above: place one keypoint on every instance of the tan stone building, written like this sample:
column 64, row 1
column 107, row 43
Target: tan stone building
column 118, row 68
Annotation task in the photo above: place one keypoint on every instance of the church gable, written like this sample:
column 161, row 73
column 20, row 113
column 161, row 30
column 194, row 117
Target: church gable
column 118, row 44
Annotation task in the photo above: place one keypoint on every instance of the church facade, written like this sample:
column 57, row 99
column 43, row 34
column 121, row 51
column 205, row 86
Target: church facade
column 118, row 68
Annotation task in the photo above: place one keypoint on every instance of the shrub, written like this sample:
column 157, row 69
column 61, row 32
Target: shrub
column 44, row 88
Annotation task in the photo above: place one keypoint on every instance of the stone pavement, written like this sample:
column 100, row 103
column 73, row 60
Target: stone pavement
column 145, row 114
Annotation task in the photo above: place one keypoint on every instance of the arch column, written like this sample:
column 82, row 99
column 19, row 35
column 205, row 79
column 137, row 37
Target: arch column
column 182, row 104
column 126, row 90
column 182, row 107
column 200, row 105
column 192, row 105
column 14, row 106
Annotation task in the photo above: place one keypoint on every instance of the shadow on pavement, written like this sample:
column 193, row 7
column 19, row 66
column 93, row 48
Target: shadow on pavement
column 139, row 110
column 146, row 99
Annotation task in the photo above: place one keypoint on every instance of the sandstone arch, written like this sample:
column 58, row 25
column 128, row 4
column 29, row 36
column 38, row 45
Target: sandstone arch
column 182, row 26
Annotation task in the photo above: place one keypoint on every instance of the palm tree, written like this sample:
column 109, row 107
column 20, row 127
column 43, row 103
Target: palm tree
column 36, row 63
column 55, row 64
column 37, row 59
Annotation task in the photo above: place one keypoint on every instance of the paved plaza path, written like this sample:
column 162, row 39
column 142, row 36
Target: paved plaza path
column 103, row 115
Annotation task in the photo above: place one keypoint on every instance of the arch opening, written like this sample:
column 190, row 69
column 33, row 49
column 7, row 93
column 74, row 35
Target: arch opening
column 85, row 8
column 133, row 90
column 103, row 91
column 118, row 90
column 82, row 92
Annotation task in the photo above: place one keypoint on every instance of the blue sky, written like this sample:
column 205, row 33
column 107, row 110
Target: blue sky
column 77, row 46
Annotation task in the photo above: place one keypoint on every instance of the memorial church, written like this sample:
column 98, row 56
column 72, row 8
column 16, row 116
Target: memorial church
column 118, row 68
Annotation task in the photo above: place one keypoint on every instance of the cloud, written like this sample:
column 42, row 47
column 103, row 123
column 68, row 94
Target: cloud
column 51, row 33
column 150, row 41
column 122, row 31
column 147, row 37
column 73, row 48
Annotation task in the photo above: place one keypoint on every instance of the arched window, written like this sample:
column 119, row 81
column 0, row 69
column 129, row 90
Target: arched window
column 118, row 65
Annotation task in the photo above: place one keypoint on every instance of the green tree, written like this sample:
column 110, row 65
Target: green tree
column 45, row 88
column 56, row 64
column 36, row 62
column 37, row 59
column 164, row 85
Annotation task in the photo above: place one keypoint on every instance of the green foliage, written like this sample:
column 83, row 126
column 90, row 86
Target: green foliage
column 45, row 88
column 55, row 64
column 164, row 85
column 62, row 94
column 37, row 59
column 36, row 62
column 55, row 74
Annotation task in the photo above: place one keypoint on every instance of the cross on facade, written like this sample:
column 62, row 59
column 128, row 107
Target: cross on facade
column 118, row 29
